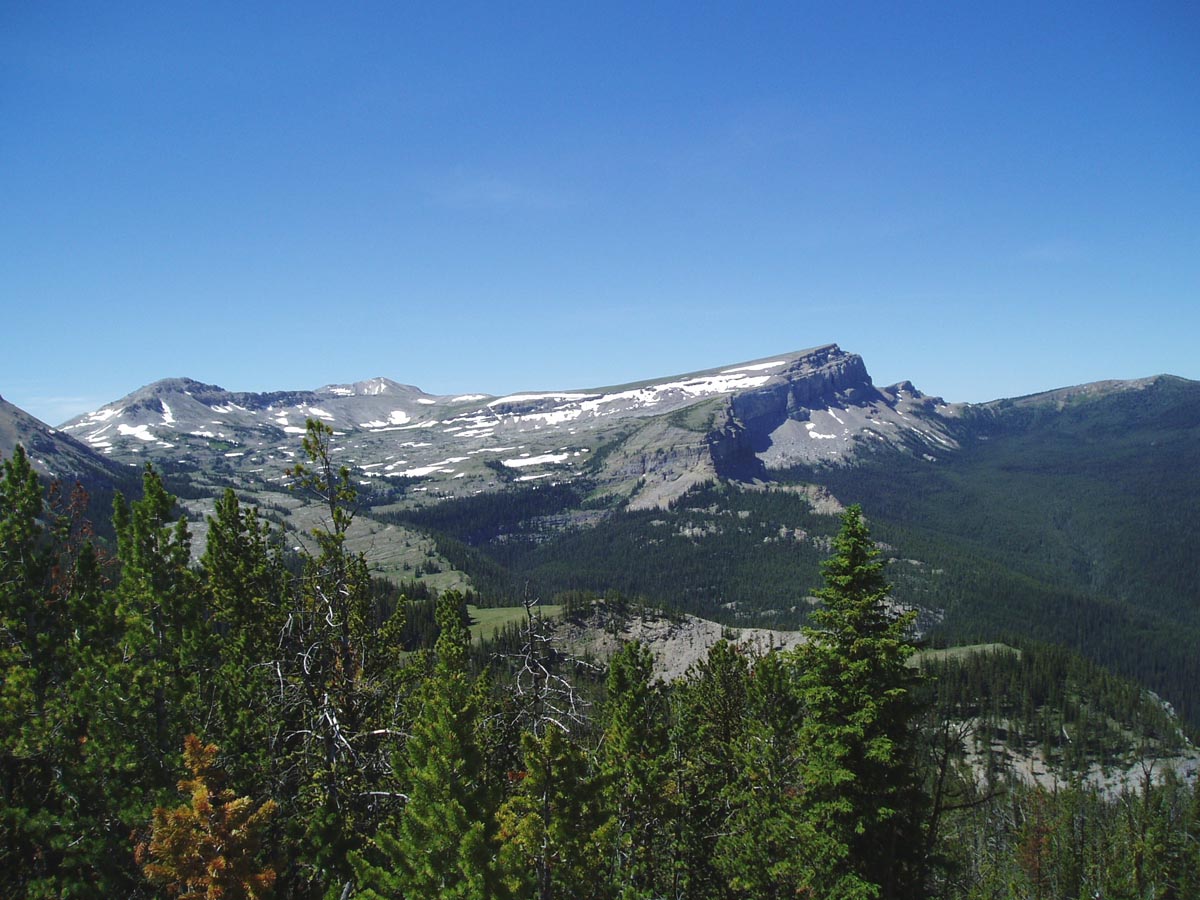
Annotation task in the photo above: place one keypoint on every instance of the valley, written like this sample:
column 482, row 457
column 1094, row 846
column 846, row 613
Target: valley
column 1069, row 515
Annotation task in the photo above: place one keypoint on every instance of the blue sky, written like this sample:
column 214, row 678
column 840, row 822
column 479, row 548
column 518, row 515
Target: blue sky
column 987, row 199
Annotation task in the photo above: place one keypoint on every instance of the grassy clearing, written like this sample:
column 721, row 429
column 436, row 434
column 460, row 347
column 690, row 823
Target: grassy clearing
column 486, row 621
column 963, row 651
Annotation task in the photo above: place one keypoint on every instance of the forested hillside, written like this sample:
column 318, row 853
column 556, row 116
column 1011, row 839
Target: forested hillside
column 743, row 556
column 1070, row 517
column 266, row 723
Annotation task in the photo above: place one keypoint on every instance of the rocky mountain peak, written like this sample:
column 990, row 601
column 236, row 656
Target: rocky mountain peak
column 658, row 436
column 372, row 387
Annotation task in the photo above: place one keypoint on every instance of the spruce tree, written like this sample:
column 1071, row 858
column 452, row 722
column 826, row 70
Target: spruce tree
column 860, row 797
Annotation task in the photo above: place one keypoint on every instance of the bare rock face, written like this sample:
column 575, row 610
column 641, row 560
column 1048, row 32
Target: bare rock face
column 647, row 442
column 820, row 378
column 677, row 644
column 822, row 408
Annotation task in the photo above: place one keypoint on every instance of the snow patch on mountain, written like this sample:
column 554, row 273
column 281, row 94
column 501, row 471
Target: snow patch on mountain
column 395, row 417
column 527, row 460
column 141, row 432
column 529, row 398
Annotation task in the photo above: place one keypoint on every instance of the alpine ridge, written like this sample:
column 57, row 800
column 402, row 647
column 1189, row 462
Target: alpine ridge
column 648, row 441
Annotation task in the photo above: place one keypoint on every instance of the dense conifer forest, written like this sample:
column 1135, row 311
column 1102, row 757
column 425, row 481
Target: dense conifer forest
column 268, row 723
column 1047, row 522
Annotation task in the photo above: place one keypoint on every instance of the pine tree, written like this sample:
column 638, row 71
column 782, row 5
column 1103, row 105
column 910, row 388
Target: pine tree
column 860, row 795
column 442, row 844
column 338, row 668
column 164, row 644
column 762, row 847
column 635, row 772
column 548, row 822
column 708, row 732
column 209, row 848
column 548, row 825
column 65, row 799
column 245, row 587
column 26, row 675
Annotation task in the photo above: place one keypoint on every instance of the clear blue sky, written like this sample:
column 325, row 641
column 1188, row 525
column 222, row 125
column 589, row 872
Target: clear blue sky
column 987, row 199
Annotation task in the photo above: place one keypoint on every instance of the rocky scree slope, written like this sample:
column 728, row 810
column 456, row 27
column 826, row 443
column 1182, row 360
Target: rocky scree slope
column 647, row 441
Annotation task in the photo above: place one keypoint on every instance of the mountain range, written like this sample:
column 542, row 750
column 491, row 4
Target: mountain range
column 648, row 442
column 1069, row 516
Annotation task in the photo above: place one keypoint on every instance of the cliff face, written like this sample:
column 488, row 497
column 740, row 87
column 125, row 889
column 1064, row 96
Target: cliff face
column 818, row 410
column 825, row 377
column 815, row 409
column 648, row 439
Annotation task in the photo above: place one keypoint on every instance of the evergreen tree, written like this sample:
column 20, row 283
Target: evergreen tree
column 164, row 641
column 763, row 849
column 708, row 733
column 66, row 802
column 635, row 772
column 245, row 586
column 339, row 668
column 442, row 844
column 860, row 796
column 208, row 848
column 28, row 635
column 548, row 825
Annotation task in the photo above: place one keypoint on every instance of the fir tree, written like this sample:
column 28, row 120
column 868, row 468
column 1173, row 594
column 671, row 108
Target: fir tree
column 860, row 796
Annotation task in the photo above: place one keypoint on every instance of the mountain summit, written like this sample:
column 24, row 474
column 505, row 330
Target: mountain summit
column 653, row 438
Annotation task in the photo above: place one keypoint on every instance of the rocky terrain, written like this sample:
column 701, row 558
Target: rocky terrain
column 1069, row 516
column 677, row 642
column 647, row 441
column 53, row 453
